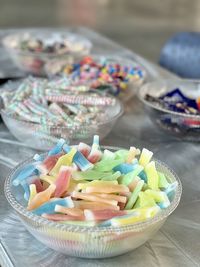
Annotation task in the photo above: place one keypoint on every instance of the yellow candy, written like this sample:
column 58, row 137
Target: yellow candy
column 83, row 186
column 145, row 157
column 152, row 175
column 47, row 178
column 135, row 215
column 65, row 160
column 33, row 192
column 132, row 153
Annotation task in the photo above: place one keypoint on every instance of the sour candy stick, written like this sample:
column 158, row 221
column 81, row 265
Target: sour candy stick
column 82, row 186
column 61, row 217
column 152, row 175
column 69, row 211
column 92, row 205
column 163, row 183
column 129, row 177
column 158, row 196
column 107, row 165
column 63, row 180
column 144, row 200
column 65, row 160
column 49, row 206
column 124, row 168
column 137, row 215
column 118, row 198
column 48, row 164
column 33, row 192
column 89, row 197
column 133, row 151
column 134, row 183
column 41, row 197
column 101, row 215
column 132, row 199
column 95, row 153
column 58, row 148
column 27, row 171
column 108, row 155
column 84, row 149
column 79, row 159
column 93, row 175
column 112, row 177
column 108, row 189
column 145, row 157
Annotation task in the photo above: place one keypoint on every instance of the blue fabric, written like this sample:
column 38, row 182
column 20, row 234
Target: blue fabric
column 181, row 55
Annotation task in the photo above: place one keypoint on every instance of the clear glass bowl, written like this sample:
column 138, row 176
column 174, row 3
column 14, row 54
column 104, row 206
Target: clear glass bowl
column 184, row 126
column 54, row 68
column 34, row 62
column 43, row 138
column 89, row 242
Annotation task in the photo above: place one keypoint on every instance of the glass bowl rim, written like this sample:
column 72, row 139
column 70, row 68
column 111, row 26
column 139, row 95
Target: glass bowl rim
column 167, row 81
column 164, row 213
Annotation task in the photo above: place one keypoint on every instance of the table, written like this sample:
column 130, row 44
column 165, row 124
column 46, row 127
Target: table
column 178, row 241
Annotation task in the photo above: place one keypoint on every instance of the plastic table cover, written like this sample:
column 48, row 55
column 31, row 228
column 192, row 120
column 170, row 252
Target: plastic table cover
column 178, row 241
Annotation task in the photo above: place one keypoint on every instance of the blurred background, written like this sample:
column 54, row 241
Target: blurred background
column 141, row 25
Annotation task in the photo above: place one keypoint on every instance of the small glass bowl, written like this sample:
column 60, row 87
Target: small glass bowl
column 54, row 68
column 89, row 242
column 181, row 125
column 34, row 62
column 43, row 138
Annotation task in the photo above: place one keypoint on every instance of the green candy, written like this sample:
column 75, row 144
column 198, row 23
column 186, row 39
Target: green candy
column 91, row 175
column 129, row 177
column 145, row 200
column 122, row 154
column 112, row 177
column 132, row 199
column 108, row 155
column 107, row 165
column 163, row 183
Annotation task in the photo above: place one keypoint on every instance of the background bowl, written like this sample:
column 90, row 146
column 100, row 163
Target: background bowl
column 43, row 138
column 54, row 68
column 182, row 125
column 34, row 62
column 87, row 242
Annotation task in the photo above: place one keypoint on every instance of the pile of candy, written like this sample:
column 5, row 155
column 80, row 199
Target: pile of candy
column 50, row 43
column 55, row 103
column 176, row 101
column 100, row 73
column 89, row 186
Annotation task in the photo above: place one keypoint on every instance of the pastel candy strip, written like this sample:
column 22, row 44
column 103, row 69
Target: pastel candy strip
column 47, row 178
column 26, row 190
column 145, row 157
column 118, row 198
column 89, row 197
column 158, row 196
column 49, row 206
column 143, row 176
column 108, row 155
column 91, row 175
column 65, row 160
column 132, row 199
column 134, row 183
column 124, row 168
column 107, row 189
column 27, row 171
column 152, row 175
column 163, row 183
column 82, row 186
column 41, row 198
column 48, row 164
column 69, row 211
column 33, row 191
column 107, row 165
column 95, row 155
column 145, row 200
column 101, row 215
column 61, row 217
column 92, row 205
column 58, row 148
column 79, row 159
column 84, row 149
column 135, row 216
column 170, row 190
column 133, row 151
column 63, row 180
column 129, row 177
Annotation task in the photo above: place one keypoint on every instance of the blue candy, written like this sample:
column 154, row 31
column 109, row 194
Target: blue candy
column 27, row 171
column 58, row 148
column 124, row 168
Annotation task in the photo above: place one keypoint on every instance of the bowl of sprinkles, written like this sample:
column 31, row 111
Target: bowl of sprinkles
column 39, row 111
column 113, row 74
column 174, row 105
column 30, row 51
column 92, row 201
